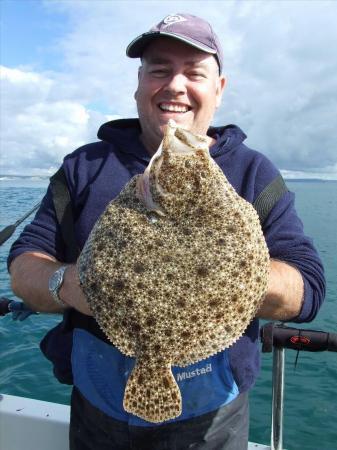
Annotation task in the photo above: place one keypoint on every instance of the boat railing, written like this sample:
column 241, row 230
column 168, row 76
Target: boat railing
column 276, row 337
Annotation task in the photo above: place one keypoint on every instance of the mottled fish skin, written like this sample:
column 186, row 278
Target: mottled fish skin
column 174, row 271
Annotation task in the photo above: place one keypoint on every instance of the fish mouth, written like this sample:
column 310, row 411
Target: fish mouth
column 174, row 107
column 178, row 140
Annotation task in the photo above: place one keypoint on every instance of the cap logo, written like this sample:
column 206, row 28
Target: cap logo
column 173, row 18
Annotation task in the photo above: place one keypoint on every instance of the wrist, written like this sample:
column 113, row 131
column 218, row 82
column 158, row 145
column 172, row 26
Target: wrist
column 284, row 296
column 55, row 284
column 71, row 292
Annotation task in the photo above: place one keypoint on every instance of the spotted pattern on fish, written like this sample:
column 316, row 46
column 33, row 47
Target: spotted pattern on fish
column 174, row 270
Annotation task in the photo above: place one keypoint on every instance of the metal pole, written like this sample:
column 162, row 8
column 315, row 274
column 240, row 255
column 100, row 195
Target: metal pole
column 277, row 401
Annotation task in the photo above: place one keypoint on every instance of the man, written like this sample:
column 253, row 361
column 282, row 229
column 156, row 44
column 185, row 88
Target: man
column 181, row 78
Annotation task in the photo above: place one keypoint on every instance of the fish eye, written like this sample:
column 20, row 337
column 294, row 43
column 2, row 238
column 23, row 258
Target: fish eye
column 152, row 217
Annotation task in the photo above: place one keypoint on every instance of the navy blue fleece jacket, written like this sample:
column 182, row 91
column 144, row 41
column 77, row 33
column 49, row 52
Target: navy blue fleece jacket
column 97, row 172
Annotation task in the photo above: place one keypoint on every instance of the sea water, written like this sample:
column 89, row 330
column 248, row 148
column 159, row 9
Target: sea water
column 310, row 409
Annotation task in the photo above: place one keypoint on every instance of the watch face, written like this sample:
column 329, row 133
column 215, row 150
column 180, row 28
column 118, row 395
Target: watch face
column 55, row 283
column 56, row 279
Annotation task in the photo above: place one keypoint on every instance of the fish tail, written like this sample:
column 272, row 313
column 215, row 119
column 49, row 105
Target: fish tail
column 152, row 394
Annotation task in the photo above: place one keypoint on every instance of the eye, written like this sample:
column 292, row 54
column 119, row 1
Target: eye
column 197, row 75
column 159, row 73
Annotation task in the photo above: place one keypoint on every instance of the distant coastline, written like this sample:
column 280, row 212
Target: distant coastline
column 4, row 177
column 20, row 181
column 45, row 178
column 309, row 180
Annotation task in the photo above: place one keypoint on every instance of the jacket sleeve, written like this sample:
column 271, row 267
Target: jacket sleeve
column 287, row 242
column 42, row 235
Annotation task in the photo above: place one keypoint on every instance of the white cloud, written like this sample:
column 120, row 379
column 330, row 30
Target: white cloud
column 282, row 86
column 38, row 131
column 279, row 59
column 324, row 173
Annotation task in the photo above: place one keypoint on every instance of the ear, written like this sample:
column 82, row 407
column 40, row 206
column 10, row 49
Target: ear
column 221, row 83
column 139, row 74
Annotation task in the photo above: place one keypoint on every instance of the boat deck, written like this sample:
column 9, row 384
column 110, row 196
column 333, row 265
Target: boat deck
column 36, row 425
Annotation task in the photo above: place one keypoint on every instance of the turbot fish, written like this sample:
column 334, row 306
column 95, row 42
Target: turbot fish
column 174, row 270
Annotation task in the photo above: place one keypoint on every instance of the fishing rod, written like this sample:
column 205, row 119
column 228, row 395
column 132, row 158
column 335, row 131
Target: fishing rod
column 18, row 309
column 7, row 232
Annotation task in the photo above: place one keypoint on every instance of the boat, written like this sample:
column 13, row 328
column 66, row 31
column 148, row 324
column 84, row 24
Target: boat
column 30, row 424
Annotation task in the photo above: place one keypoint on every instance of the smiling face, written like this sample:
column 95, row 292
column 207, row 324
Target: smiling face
column 179, row 82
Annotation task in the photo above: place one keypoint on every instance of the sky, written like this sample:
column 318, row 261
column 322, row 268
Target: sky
column 64, row 72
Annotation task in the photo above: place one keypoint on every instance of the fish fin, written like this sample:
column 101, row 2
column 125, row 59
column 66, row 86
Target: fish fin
column 152, row 395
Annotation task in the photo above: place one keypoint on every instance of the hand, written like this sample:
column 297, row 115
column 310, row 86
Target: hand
column 18, row 309
column 71, row 292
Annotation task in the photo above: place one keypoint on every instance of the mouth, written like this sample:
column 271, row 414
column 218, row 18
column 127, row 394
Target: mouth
column 169, row 107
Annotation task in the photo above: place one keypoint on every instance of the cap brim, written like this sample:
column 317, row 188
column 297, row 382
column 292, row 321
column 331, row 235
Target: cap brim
column 136, row 48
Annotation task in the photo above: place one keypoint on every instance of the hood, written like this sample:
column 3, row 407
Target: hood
column 227, row 139
column 124, row 134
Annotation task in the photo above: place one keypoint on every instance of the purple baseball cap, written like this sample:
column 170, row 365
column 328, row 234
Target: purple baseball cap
column 190, row 29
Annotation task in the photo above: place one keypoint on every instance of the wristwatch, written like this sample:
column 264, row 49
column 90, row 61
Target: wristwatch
column 55, row 283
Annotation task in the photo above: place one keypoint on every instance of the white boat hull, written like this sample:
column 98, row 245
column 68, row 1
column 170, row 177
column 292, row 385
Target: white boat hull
column 28, row 424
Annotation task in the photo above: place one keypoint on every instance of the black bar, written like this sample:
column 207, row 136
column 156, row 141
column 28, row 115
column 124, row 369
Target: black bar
column 275, row 335
column 7, row 232
column 17, row 223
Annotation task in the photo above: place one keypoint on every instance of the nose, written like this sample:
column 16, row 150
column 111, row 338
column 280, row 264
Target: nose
column 176, row 85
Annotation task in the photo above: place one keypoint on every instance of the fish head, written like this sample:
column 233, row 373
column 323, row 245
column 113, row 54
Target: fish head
column 177, row 173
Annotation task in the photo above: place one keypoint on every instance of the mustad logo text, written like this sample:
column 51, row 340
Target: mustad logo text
column 194, row 373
